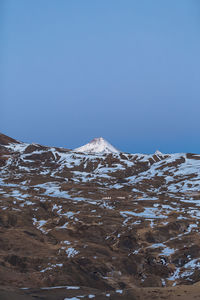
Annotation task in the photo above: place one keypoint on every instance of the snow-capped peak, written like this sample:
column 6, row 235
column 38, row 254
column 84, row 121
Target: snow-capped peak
column 97, row 145
column 158, row 153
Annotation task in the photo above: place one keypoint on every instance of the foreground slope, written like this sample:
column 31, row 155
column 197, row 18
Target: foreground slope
column 101, row 223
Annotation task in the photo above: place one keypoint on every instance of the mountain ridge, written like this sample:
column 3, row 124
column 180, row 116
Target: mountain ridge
column 104, row 222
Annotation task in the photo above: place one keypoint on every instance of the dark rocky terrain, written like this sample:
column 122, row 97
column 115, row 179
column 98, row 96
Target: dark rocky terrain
column 102, row 226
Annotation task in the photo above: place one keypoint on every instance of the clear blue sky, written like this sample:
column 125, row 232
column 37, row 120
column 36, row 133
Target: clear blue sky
column 72, row 70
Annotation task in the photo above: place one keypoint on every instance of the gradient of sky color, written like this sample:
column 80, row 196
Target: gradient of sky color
column 127, row 70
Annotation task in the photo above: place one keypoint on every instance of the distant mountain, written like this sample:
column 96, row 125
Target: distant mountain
column 97, row 145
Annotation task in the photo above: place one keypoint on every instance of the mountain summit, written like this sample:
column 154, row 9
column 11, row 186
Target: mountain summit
column 97, row 145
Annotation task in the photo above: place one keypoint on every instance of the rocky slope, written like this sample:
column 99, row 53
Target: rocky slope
column 99, row 224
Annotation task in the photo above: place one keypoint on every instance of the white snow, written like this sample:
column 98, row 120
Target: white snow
column 67, row 287
column 148, row 213
column 71, row 252
column 39, row 225
column 50, row 267
column 74, row 298
column 20, row 147
column 97, row 145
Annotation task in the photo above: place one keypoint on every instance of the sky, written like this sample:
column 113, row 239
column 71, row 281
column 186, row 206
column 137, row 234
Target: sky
column 129, row 71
